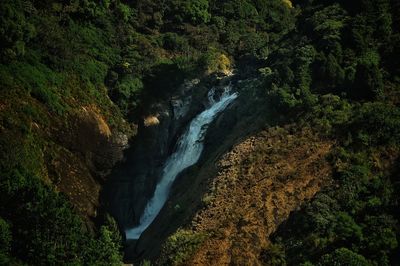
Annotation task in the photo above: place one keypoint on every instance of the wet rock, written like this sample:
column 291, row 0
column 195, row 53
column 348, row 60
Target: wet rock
column 134, row 181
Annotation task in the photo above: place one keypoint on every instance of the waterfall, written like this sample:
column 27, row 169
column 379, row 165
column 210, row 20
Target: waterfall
column 189, row 148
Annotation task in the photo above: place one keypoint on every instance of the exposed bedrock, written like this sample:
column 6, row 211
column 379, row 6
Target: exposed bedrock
column 132, row 182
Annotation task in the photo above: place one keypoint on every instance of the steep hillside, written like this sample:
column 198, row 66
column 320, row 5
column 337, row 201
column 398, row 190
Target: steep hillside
column 76, row 78
column 259, row 183
column 310, row 177
column 337, row 74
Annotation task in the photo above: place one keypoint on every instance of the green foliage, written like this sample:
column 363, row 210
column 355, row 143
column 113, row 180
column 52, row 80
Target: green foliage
column 327, row 24
column 354, row 218
column 174, row 42
column 240, row 9
column 180, row 246
column 123, row 11
column 342, row 257
column 54, row 233
column 215, row 62
column 347, row 229
column 274, row 255
column 15, row 29
column 105, row 249
column 48, row 97
column 126, row 92
column 377, row 124
column 5, row 242
column 91, row 70
column 368, row 81
column 194, row 11
column 283, row 99
column 331, row 113
column 381, row 234
column 39, row 80
column 317, row 61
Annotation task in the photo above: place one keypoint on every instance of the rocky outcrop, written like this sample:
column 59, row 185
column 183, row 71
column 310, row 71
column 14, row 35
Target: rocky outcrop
column 87, row 150
column 101, row 147
column 246, row 115
column 132, row 183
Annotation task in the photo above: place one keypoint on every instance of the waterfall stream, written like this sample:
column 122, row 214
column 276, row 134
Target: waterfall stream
column 188, row 151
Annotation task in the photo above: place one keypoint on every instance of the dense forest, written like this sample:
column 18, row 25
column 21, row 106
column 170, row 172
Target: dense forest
column 330, row 65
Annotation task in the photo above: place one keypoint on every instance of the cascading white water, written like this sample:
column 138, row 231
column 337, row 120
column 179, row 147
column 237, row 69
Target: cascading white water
column 190, row 146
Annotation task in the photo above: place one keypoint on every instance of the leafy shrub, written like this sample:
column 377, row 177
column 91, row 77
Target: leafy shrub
column 123, row 11
column 215, row 62
column 50, row 98
column 15, row 30
column 331, row 113
column 274, row 255
column 126, row 93
column 342, row 257
column 368, row 80
column 45, row 228
column 91, row 70
column 194, row 11
column 5, row 242
column 376, row 124
column 174, row 42
column 180, row 246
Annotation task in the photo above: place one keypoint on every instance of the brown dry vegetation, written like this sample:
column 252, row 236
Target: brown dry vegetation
column 259, row 183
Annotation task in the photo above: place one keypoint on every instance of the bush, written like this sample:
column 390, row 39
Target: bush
column 123, row 11
column 15, row 30
column 126, row 93
column 194, row 11
column 180, row 246
column 274, row 255
column 174, row 42
column 5, row 242
column 376, row 124
column 343, row 257
column 368, row 80
column 45, row 228
column 49, row 98
column 91, row 70
column 215, row 62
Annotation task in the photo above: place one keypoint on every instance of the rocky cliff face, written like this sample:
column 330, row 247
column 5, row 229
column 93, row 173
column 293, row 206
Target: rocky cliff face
column 244, row 116
column 87, row 150
column 133, row 182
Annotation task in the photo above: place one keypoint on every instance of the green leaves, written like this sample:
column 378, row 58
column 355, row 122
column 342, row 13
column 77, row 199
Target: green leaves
column 180, row 246
column 124, row 12
column 15, row 29
column 377, row 124
column 126, row 92
column 5, row 242
column 343, row 257
column 327, row 24
column 194, row 11
column 45, row 228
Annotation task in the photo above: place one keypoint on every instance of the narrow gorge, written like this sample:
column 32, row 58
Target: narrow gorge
column 187, row 152
column 183, row 129
column 200, row 132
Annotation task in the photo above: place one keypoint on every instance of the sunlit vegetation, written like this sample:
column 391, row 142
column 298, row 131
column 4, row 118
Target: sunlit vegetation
column 332, row 65
column 180, row 246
